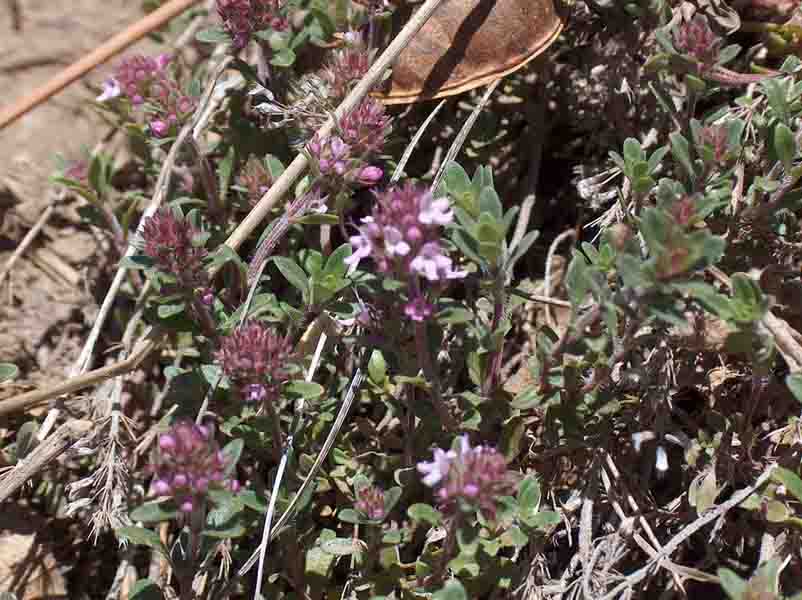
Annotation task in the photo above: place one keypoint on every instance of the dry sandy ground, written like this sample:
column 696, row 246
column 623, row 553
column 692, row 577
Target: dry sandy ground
column 44, row 304
column 45, row 307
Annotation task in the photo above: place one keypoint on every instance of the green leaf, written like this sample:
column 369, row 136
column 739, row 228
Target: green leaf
column 452, row 590
column 734, row 586
column 776, row 95
column 335, row 263
column 340, row 546
column 144, row 589
column 154, row 512
column 424, row 512
column 790, row 480
column 319, row 219
column 283, row 58
column 490, row 203
column 794, row 383
column 377, row 367
column 391, row 498
column 545, row 520
column 233, row 530
column 680, row 149
column 528, row 499
column 232, row 452
column 305, row 389
column 213, row 35
column 142, row 537
column 785, row 145
column 577, row 279
column 165, row 311
column 294, row 274
column 514, row 537
column 251, row 500
column 349, row 515
column 633, row 152
column 8, row 372
column 137, row 262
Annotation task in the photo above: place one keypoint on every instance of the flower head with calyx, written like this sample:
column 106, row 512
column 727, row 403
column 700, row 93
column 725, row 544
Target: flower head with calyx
column 342, row 160
column 403, row 237
column 370, row 502
column 256, row 359
column 188, row 464
column 148, row 82
column 175, row 247
column 243, row 18
column 696, row 39
column 470, row 477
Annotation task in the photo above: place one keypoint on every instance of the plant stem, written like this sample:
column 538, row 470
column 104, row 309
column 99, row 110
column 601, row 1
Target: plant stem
column 499, row 302
column 278, row 439
column 429, row 367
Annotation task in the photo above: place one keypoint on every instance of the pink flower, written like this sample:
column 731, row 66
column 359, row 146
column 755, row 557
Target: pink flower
column 159, row 128
column 435, row 212
column 478, row 476
column 436, row 470
column 370, row 175
column 188, row 463
column 371, row 502
column 111, row 89
column 418, row 309
column 432, row 264
column 255, row 358
column 168, row 241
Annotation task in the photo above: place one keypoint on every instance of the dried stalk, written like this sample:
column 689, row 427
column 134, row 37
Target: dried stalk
column 64, row 437
column 36, row 397
column 710, row 515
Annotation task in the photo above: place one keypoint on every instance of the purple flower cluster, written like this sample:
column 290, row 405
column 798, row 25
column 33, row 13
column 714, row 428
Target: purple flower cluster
column 370, row 502
column 346, row 66
column 256, row 359
column 188, row 463
column 402, row 236
column 343, row 160
column 170, row 242
column 476, row 476
column 696, row 39
column 143, row 79
column 242, row 18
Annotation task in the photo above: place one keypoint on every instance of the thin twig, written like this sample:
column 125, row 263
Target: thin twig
column 708, row 516
column 463, row 133
column 26, row 241
column 99, row 55
column 569, row 233
column 399, row 170
column 321, row 457
column 35, row 397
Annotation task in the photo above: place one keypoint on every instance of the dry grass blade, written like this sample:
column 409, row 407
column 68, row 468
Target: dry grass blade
column 35, row 397
column 708, row 517
column 26, row 242
column 399, row 170
column 463, row 133
column 64, row 437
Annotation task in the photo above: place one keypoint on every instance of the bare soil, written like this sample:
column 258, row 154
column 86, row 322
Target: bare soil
column 46, row 307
